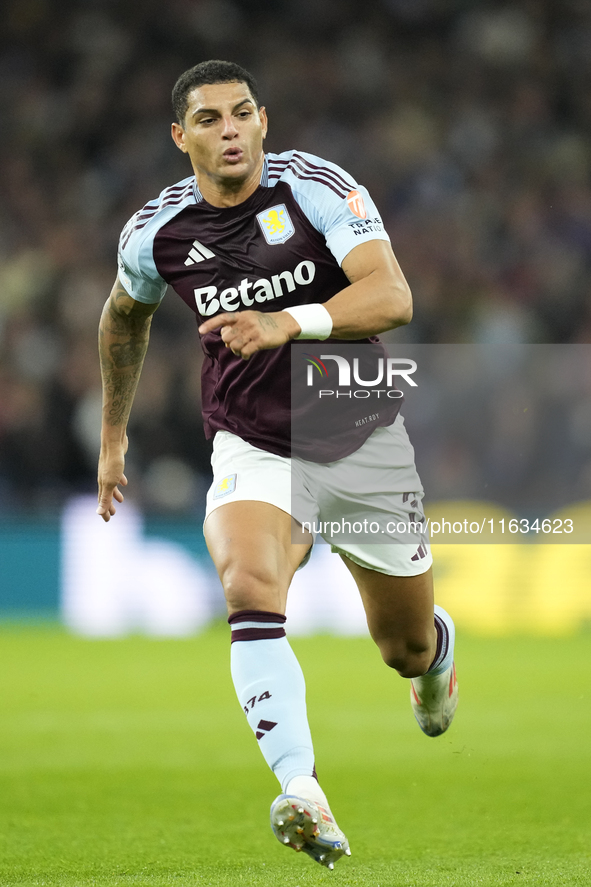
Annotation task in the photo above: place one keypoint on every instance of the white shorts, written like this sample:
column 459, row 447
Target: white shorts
column 377, row 485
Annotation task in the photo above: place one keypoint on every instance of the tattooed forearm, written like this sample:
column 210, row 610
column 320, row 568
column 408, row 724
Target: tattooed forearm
column 130, row 353
column 119, row 392
column 124, row 334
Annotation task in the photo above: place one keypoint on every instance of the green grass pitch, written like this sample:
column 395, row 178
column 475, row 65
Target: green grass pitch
column 130, row 763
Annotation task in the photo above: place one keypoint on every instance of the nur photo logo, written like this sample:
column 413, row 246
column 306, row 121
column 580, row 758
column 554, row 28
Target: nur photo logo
column 344, row 374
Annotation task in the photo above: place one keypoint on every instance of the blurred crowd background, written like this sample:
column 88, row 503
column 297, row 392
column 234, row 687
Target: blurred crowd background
column 468, row 121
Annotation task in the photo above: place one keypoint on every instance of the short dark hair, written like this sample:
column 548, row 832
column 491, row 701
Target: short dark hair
column 212, row 71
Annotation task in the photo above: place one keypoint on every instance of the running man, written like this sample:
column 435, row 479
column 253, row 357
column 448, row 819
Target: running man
column 266, row 249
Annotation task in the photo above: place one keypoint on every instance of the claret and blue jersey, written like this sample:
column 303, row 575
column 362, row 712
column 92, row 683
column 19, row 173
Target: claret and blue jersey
column 281, row 247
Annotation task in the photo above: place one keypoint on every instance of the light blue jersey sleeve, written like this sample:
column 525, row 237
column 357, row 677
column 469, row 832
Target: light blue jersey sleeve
column 334, row 203
column 135, row 256
column 135, row 263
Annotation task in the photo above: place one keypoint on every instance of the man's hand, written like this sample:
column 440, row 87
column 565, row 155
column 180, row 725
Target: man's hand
column 247, row 332
column 110, row 473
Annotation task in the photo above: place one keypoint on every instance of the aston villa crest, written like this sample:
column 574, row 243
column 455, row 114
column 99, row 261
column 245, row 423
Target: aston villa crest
column 276, row 224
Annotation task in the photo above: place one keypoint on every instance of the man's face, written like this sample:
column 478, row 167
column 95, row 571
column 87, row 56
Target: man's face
column 223, row 131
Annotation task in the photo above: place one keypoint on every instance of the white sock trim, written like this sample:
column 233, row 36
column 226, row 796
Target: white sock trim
column 446, row 655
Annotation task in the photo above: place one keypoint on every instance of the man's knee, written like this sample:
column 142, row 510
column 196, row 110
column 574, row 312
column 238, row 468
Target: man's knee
column 409, row 658
column 247, row 588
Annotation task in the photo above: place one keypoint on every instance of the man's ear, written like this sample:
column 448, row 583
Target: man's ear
column 178, row 136
column 264, row 120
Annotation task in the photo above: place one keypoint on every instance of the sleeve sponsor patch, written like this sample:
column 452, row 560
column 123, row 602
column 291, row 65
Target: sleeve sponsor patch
column 367, row 226
column 356, row 204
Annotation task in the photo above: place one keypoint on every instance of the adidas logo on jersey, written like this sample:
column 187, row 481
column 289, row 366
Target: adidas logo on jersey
column 198, row 253
column 249, row 292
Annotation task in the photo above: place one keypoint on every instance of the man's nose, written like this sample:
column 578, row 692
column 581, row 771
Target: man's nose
column 229, row 130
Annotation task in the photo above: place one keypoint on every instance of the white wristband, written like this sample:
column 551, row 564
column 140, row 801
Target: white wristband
column 315, row 321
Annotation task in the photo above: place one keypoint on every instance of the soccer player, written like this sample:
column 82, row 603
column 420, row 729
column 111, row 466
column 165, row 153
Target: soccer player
column 266, row 249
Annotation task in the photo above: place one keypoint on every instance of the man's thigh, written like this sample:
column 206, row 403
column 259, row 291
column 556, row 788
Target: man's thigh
column 399, row 609
column 251, row 545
